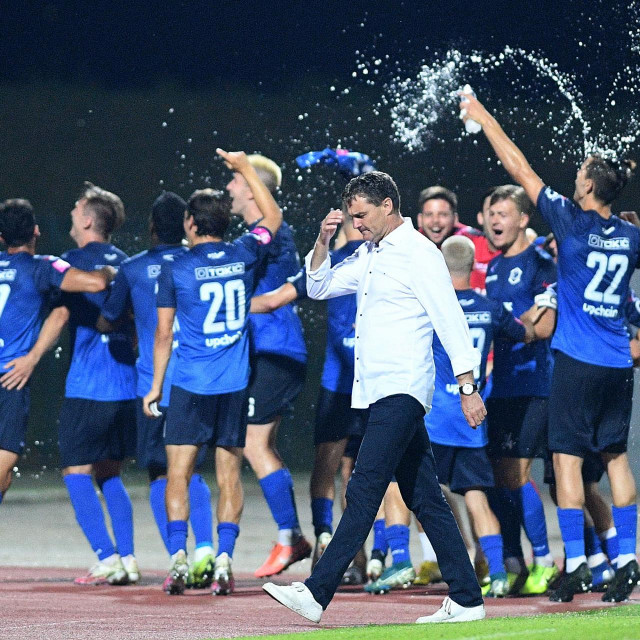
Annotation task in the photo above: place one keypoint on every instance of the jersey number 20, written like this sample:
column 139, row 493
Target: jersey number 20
column 233, row 296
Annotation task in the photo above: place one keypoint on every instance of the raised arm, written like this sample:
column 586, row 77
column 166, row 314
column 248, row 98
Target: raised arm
column 508, row 153
column 21, row 368
column 272, row 215
column 162, row 347
column 327, row 230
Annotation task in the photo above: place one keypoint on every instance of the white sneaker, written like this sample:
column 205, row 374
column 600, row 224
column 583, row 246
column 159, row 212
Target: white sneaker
column 131, row 567
column 297, row 598
column 451, row 611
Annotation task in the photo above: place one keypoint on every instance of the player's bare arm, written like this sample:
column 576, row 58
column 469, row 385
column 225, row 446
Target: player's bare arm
column 77, row 280
column 20, row 369
column 508, row 153
column 272, row 215
column 472, row 406
column 328, row 229
column 162, row 347
column 272, row 300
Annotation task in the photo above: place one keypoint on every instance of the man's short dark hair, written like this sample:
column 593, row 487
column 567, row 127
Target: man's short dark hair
column 17, row 222
column 609, row 176
column 167, row 215
column 488, row 193
column 438, row 193
column 106, row 207
column 211, row 211
column 375, row 186
column 514, row 193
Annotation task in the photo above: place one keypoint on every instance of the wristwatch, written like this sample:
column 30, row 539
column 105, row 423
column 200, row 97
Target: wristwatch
column 467, row 389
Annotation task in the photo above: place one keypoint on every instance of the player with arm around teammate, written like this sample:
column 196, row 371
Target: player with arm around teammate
column 208, row 290
column 25, row 282
column 597, row 253
column 134, row 290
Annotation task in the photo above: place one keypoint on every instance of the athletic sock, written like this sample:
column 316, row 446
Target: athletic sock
column 227, row 534
column 428, row 554
column 571, row 523
column 0, row 497
column 593, row 548
column 277, row 488
column 508, row 511
column 89, row 514
column 177, row 534
column 609, row 539
column 202, row 551
column 492, row 549
column 120, row 512
column 157, row 490
column 535, row 525
column 397, row 537
column 322, row 515
column 379, row 539
column 200, row 515
column 626, row 521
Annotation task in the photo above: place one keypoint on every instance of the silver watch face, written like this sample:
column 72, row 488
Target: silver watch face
column 467, row 389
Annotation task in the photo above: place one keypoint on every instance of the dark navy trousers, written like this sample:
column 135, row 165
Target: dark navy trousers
column 396, row 443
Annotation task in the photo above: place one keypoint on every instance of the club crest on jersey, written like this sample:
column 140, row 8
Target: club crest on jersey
column 515, row 275
column 153, row 271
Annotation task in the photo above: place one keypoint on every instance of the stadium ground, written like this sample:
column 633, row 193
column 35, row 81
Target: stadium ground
column 42, row 550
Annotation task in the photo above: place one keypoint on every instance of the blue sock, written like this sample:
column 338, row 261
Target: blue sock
column 177, row 534
column 535, row 525
column 0, row 497
column 571, row 523
column 89, row 514
column 610, row 545
column 227, row 534
column 120, row 512
column 626, row 521
column 592, row 544
column 277, row 488
column 322, row 515
column 397, row 537
column 379, row 538
column 200, row 511
column 492, row 549
column 508, row 513
column 157, row 489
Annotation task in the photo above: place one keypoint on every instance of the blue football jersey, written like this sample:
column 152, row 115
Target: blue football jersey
column 25, row 282
column 135, row 287
column 279, row 332
column 102, row 366
column 521, row 369
column 210, row 286
column 596, row 258
column 488, row 320
column 337, row 374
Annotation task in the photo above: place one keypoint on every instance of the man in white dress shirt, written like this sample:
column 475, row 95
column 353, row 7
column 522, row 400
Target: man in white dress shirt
column 404, row 293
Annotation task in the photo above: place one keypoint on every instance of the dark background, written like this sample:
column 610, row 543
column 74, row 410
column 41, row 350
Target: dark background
column 136, row 96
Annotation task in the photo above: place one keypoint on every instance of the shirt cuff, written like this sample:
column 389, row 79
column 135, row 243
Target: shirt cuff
column 321, row 272
column 467, row 362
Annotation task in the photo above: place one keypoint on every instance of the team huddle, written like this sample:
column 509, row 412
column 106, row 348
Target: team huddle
column 425, row 327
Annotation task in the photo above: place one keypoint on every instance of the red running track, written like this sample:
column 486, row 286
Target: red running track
column 44, row 603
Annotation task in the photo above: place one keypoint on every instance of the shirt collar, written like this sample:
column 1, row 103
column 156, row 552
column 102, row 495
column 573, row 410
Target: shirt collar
column 398, row 233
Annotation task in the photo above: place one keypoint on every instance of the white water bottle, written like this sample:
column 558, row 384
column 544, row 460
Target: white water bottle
column 470, row 125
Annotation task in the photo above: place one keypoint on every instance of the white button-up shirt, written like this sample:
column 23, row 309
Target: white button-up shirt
column 404, row 293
